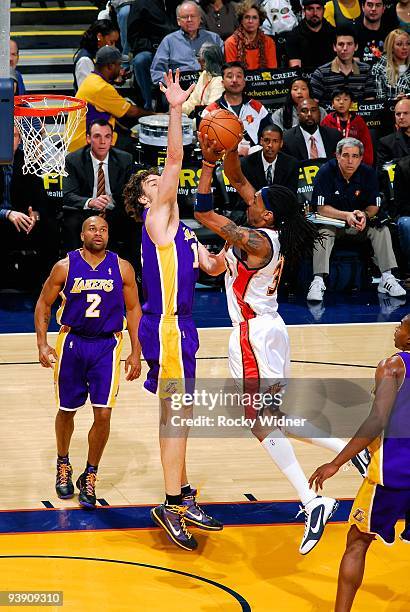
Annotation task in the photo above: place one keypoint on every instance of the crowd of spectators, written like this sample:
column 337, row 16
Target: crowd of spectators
column 347, row 53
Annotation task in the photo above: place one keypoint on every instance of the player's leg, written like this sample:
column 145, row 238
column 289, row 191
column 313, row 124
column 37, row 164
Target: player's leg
column 352, row 568
column 71, row 394
column 102, row 358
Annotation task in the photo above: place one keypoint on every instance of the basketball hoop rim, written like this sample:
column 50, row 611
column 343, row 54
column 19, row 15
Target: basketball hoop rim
column 27, row 111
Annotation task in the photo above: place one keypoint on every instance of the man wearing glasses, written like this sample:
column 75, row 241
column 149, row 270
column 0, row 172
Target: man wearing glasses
column 180, row 49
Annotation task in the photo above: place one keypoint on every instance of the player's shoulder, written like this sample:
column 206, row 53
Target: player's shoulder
column 390, row 366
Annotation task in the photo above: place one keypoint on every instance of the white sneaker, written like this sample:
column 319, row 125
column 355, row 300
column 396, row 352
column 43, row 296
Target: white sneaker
column 361, row 462
column 316, row 290
column 317, row 513
column 391, row 286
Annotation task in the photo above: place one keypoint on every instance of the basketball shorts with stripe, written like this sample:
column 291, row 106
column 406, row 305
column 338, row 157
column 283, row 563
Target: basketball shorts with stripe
column 259, row 355
column 87, row 367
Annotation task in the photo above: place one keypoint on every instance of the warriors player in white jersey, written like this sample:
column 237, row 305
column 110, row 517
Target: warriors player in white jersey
column 259, row 353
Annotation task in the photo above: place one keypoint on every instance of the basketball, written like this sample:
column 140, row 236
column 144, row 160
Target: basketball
column 224, row 127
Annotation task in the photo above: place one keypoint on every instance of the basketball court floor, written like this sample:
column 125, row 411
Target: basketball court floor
column 115, row 559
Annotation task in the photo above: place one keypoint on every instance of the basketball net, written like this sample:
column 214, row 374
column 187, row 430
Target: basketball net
column 46, row 125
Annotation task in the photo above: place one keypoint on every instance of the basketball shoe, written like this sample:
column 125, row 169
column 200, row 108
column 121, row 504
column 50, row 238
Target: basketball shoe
column 64, row 484
column 317, row 512
column 196, row 516
column 361, row 462
column 172, row 520
column 86, row 486
column 405, row 534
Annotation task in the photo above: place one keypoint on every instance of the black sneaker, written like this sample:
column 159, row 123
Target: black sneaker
column 196, row 516
column 361, row 462
column 64, row 484
column 86, row 486
column 171, row 519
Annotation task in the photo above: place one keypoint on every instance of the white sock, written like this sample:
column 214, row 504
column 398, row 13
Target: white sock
column 312, row 434
column 281, row 452
column 386, row 274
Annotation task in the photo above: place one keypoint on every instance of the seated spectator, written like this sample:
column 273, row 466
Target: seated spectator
column 103, row 101
column 287, row 117
column 348, row 122
column 280, row 17
column 270, row 166
column 148, row 24
column 402, row 208
column 219, row 17
column 180, row 49
column 313, row 33
column 99, row 34
column 310, row 140
column 344, row 70
column 14, row 60
column 248, row 44
column 26, row 221
column 97, row 174
column 402, row 14
column 122, row 12
column 342, row 13
column 346, row 189
column 372, row 28
column 252, row 113
column 209, row 86
column 396, row 145
column 392, row 71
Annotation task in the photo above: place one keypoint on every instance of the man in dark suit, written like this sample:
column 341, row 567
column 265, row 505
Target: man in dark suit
column 97, row 174
column 310, row 140
column 397, row 145
column 27, row 221
column 270, row 166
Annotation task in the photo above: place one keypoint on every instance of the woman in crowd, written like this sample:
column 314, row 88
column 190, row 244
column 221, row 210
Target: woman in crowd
column 342, row 13
column 392, row 73
column 248, row 44
column 287, row 116
column 209, row 86
column 219, row 16
column 100, row 33
column 349, row 123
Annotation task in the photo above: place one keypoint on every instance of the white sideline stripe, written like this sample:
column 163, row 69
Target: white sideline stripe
column 311, row 325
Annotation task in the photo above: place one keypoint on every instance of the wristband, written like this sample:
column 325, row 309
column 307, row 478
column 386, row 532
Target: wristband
column 204, row 202
column 207, row 163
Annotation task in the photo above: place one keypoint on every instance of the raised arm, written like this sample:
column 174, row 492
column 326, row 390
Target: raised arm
column 164, row 207
column 233, row 171
column 389, row 377
column 133, row 314
column 42, row 314
column 249, row 240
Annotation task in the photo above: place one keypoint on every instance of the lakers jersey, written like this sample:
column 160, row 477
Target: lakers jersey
column 93, row 302
column 169, row 273
column 390, row 462
column 251, row 292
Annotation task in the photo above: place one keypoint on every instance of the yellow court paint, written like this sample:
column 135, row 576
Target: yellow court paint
column 261, row 564
column 46, row 33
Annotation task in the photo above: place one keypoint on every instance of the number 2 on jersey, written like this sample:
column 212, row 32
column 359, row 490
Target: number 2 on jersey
column 277, row 273
column 95, row 300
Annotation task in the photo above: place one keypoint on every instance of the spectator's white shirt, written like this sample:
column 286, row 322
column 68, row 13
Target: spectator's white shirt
column 319, row 142
column 96, row 164
column 83, row 68
column 267, row 164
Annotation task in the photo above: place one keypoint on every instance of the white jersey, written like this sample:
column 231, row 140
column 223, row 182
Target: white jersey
column 252, row 292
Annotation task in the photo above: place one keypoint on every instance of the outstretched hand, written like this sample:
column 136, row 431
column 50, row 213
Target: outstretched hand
column 209, row 148
column 175, row 95
column 325, row 471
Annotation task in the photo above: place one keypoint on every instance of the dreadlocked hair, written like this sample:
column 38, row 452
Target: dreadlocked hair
column 133, row 190
column 298, row 237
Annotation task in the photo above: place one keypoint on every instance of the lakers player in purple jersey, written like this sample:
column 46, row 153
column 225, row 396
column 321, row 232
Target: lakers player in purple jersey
column 384, row 496
column 171, row 258
column 97, row 288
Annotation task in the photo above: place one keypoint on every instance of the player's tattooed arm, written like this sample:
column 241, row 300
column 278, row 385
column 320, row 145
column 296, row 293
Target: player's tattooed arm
column 249, row 240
